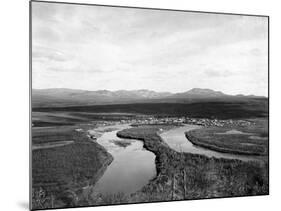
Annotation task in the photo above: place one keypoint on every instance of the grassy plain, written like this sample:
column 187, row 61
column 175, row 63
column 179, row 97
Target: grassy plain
column 249, row 140
column 72, row 118
column 60, row 173
column 207, row 109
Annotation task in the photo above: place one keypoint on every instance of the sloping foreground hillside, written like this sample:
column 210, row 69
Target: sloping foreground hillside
column 191, row 176
column 63, row 162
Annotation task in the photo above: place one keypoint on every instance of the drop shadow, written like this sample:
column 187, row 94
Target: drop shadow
column 24, row 205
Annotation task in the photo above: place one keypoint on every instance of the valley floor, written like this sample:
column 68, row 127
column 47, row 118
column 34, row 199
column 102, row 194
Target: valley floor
column 246, row 140
column 192, row 176
column 61, row 175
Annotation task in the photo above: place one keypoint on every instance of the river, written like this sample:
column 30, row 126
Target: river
column 132, row 166
column 176, row 139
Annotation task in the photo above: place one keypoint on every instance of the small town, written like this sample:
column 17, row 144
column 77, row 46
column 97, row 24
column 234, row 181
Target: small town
column 144, row 120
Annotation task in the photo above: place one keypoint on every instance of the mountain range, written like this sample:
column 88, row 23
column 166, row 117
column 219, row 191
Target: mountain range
column 60, row 97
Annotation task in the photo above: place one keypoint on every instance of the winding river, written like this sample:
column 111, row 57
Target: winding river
column 176, row 139
column 132, row 167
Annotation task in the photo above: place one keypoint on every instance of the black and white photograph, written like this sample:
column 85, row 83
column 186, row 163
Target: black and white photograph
column 139, row 105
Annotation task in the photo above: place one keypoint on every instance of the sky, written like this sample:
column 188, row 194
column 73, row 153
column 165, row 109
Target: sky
column 112, row 48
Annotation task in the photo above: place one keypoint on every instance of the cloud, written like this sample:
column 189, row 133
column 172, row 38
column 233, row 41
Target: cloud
column 256, row 52
column 74, row 69
column 218, row 73
column 44, row 53
column 119, row 48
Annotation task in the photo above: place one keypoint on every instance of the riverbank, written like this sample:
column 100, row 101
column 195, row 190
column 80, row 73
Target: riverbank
column 250, row 140
column 132, row 167
column 176, row 139
column 68, row 174
column 192, row 176
column 60, row 173
column 202, row 143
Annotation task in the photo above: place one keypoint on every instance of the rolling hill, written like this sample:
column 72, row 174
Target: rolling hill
column 73, row 97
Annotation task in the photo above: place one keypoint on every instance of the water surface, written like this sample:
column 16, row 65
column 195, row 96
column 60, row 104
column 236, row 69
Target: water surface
column 176, row 139
column 132, row 167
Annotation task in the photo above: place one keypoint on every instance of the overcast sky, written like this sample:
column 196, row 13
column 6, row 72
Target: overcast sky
column 94, row 48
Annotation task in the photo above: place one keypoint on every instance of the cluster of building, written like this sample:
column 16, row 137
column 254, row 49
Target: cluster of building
column 104, row 123
column 187, row 120
column 154, row 120
column 216, row 122
column 150, row 120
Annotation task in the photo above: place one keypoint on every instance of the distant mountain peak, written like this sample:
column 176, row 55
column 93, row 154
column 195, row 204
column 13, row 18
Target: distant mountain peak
column 200, row 93
column 73, row 97
column 204, row 91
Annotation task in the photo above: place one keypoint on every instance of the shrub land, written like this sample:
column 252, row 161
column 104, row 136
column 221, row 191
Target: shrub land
column 60, row 173
column 191, row 176
column 65, row 175
column 250, row 140
column 254, row 108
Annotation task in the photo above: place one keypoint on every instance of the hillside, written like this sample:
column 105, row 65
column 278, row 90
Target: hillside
column 73, row 97
column 221, row 110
